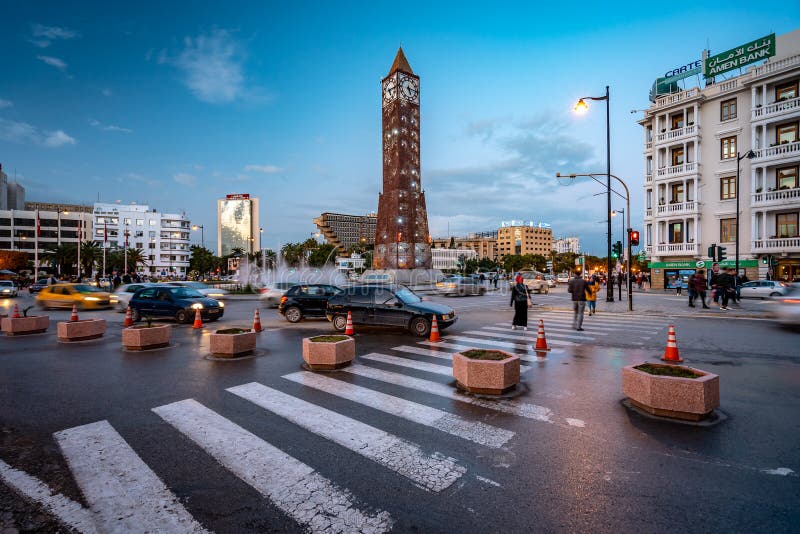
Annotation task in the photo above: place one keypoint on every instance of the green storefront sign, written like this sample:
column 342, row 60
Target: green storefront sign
column 692, row 264
column 740, row 56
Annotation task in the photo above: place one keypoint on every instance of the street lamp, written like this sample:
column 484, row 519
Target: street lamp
column 581, row 107
column 614, row 214
column 202, row 234
column 749, row 155
column 260, row 233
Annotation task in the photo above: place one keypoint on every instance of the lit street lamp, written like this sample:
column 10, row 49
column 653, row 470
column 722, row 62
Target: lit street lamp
column 260, row 233
column 202, row 234
column 580, row 107
column 749, row 155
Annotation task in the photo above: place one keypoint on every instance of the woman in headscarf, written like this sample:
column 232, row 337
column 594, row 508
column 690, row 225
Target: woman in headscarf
column 521, row 300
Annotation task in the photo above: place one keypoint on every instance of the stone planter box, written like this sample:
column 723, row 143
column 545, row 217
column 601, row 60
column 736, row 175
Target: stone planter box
column 230, row 345
column 328, row 355
column 144, row 338
column 489, row 377
column 20, row 326
column 81, row 330
column 690, row 399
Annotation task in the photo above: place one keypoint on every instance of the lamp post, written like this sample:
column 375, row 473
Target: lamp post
column 260, row 233
column 202, row 234
column 580, row 107
column 614, row 214
column 628, row 212
column 749, row 155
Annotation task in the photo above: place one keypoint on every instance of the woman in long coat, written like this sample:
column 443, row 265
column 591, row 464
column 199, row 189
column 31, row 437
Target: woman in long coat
column 521, row 300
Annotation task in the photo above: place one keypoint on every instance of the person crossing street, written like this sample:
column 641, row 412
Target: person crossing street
column 577, row 287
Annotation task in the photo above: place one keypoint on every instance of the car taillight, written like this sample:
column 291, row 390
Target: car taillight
column 283, row 299
column 263, row 290
column 792, row 301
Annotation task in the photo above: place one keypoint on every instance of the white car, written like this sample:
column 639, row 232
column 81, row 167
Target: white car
column 535, row 282
column 8, row 288
column 272, row 293
column 562, row 278
column 787, row 307
column 122, row 296
column 205, row 289
column 761, row 289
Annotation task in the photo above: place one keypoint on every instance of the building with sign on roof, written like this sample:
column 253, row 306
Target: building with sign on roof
column 693, row 140
column 237, row 224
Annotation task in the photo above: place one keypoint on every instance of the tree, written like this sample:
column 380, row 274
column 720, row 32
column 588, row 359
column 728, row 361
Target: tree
column 319, row 256
column 293, row 254
column 61, row 257
column 136, row 256
column 13, row 260
column 202, row 260
column 90, row 253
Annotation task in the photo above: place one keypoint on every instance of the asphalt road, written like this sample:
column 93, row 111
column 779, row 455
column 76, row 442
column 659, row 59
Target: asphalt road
column 266, row 447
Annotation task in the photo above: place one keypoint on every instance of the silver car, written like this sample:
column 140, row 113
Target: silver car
column 787, row 307
column 8, row 288
column 460, row 285
column 204, row 289
column 272, row 293
column 761, row 289
column 122, row 296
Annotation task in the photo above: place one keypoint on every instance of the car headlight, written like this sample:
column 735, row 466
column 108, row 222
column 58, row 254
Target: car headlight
column 216, row 295
column 445, row 317
column 114, row 299
column 221, row 304
column 197, row 306
column 91, row 298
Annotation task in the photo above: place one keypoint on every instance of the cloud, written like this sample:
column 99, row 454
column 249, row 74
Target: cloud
column 184, row 178
column 266, row 169
column 108, row 127
column 53, row 62
column 5, row 103
column 22, row 132
column 106, row 92
column 43, row 36
column 212, row 66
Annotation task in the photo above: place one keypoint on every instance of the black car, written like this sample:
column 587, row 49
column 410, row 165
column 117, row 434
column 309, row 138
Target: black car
column 38, row 285
column 307, row 300
column 388, row 305
column 180, row 303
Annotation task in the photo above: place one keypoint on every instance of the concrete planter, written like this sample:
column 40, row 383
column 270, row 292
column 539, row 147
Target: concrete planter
column 81, row 330
column 690, row 399
column 231, row 345
column 21, row 326
column 490, row 377
column 144, row 337
column 326, row 355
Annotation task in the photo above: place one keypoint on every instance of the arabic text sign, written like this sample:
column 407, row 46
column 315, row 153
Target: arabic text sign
column 740, row 56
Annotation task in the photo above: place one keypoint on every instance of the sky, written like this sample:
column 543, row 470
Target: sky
column 176, row 104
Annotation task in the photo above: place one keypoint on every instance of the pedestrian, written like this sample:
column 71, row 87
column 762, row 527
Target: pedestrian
column 700, row 284
column 691, row 290
column 521, row 300
column 592, row 289
column 52, row 280
column 725, row 286
column 126, row 278
column 577, row 287
column 495, row 278
column 117, row 280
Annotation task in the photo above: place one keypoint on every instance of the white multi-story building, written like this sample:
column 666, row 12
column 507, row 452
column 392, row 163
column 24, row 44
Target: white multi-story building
column 163, row 237
column 448, row 258
column 693, row 142
column 237, row 224
column 567, row 244
column 56, row 227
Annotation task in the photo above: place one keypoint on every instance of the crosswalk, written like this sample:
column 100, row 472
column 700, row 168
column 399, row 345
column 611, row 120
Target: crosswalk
column 123, row 493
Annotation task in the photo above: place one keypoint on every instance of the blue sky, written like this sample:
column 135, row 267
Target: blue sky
column 176, row 104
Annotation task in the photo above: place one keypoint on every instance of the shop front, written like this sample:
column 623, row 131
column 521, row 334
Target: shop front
column 669, row 275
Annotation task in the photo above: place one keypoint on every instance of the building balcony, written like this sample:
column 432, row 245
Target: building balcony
column 777, row 152
column 676, row 249
column 648, row 178
column 648, row 146
column 779, row 198
column 648, row 213
column 776, row 109
column 678, row 134
column 773, row 67
column 784, row 244
column 677, row 98
column 677, row 170
column 677, row 208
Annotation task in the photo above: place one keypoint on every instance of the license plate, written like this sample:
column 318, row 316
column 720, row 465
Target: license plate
column 213, row 311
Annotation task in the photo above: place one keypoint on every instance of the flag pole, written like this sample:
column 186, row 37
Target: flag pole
column 105, row 244
column 36, row 249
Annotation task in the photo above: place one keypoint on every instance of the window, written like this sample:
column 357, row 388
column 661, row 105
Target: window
column 727, row 188
column 649, row 199
column 786, row 91
column 152, row 222
column 676, row 121
column 676, row 193
column 727, row 230
column 649, row 235
column 677, row 156
column 786, row 224
column 786, row 178
column 676, row 232
column 727, row 109
column 139, row 222
column 728, row 147
column 786, row 133
column 127, row 221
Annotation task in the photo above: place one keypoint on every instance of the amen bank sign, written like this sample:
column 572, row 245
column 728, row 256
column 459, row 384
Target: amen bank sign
column 740, row 56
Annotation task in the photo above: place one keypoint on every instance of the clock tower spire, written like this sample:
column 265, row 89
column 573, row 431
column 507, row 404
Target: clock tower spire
column 402, row 240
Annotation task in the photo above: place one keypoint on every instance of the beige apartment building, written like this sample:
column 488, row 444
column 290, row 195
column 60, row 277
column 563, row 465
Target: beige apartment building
column 524, row 237
column 693, row 140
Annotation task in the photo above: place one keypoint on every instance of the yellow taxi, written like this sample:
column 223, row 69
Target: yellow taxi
column 66, row 295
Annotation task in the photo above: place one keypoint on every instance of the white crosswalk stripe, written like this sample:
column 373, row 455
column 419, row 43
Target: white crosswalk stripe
column 510, row 406
column 604, row 318
column 458, row 347
column 593, row 326
column 475, row 431
column 442, row 355
column 124, row 494
column 549, row 330
column 407, row 362
column 517, row 334
column 294, row 487
column 510, row 345
column 432, row 472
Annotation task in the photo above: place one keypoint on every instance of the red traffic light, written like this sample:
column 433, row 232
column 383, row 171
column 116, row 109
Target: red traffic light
column 634, row 239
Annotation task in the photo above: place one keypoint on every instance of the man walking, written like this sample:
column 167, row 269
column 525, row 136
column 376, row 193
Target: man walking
column 725, row 285
column 577, row 286
column 700, row 284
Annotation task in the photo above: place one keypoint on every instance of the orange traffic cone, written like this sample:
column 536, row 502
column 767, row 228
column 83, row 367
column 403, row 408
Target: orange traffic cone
column 74, row 316
column 434, row 331
column 128, row 318
column 671, row 354
column 257, row 322
column 349, row 331
column 198, row 320
column 16, row 314
column 541, row 341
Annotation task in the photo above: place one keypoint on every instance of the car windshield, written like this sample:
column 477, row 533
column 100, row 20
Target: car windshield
column 407, row 296
column 6, row 283
column 185, row 293
column 83, row 288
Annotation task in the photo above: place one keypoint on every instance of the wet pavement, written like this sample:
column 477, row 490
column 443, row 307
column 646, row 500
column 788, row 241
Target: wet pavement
column 565, row 455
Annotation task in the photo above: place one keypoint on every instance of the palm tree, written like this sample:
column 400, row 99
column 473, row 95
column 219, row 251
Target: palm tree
column 62, row 257
column 135, row 257
column 90, row 253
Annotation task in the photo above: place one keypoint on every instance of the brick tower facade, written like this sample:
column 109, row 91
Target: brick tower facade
column 402, row 240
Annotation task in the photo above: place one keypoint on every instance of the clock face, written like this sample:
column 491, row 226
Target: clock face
column 409, row 89
column 389, row 90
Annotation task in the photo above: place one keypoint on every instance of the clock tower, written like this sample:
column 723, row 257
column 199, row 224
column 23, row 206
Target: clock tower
column 402, row 240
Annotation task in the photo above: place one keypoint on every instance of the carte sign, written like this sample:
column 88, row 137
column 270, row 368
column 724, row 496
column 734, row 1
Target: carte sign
column 740, row 56
column 239, row 196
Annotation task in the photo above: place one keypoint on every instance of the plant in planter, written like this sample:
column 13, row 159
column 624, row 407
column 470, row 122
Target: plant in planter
column 674, row 391
column 328, row 352
column 759, row 189
column 231, row 342
column 81, row 330
column 20, row 326
column 147, row 336
column 490, row 372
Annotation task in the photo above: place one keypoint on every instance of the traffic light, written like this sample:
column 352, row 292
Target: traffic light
column 712, row 252
column 634, row 238
column 616, row 249
column 721, row 254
